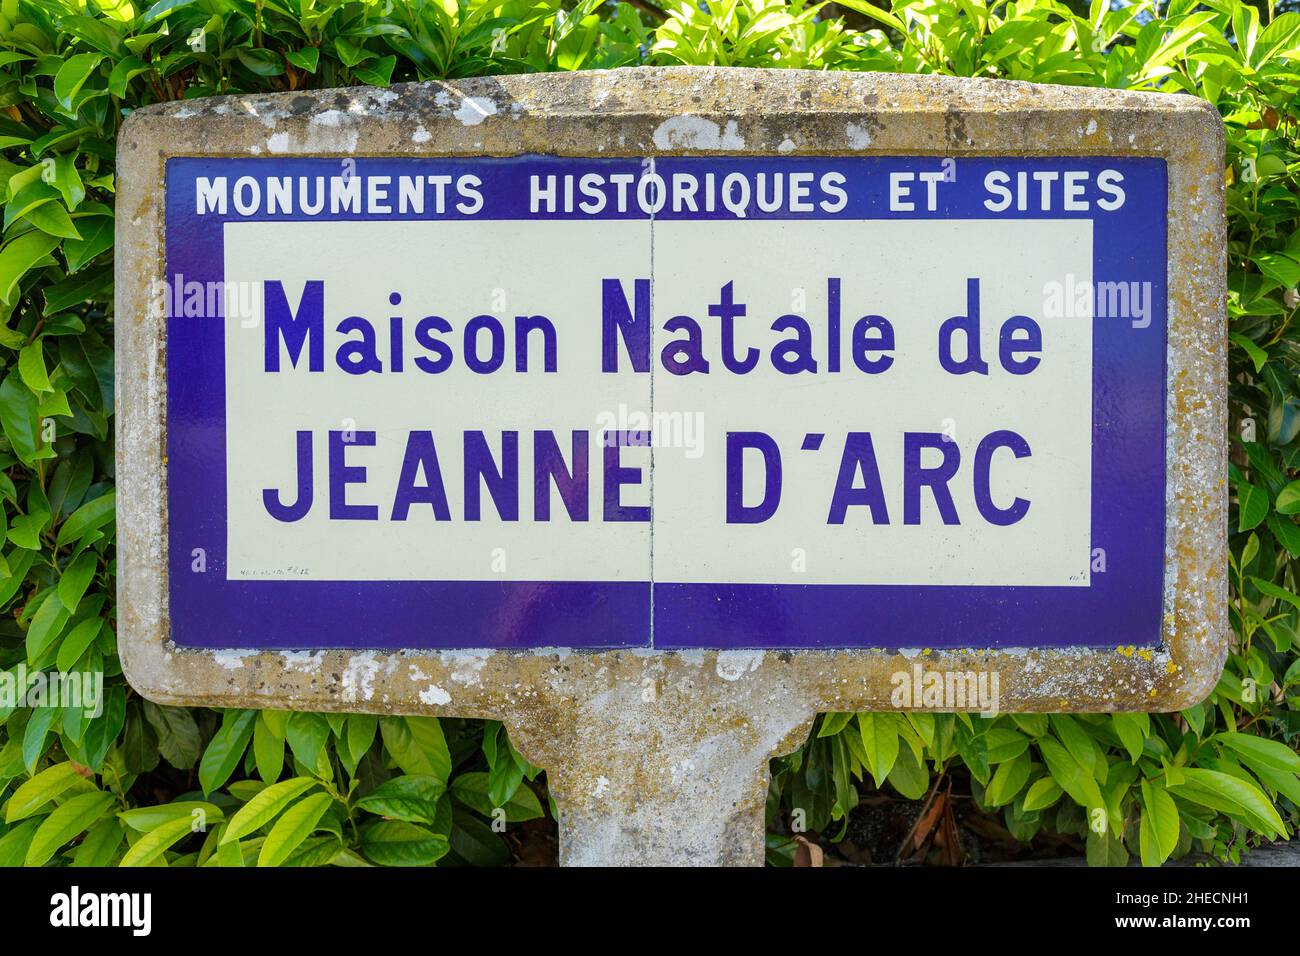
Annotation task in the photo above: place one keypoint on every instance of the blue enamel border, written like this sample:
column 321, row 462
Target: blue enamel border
column 1120, row 607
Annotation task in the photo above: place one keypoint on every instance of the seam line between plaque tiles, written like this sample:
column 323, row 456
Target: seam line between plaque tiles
column 650, row 411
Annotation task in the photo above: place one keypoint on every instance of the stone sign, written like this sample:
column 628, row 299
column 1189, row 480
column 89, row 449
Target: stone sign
column 654, row 411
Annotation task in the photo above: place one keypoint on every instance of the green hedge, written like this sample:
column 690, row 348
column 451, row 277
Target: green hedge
column 140, row 784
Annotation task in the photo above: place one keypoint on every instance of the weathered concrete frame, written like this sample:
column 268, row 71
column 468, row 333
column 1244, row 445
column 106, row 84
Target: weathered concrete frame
column 662, row 756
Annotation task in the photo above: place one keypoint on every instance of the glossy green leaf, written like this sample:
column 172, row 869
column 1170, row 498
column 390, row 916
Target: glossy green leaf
column 1070, row 776
column 880, row 744
column 295, row 825
column 46, row 626
column 306, row 734
column 1230, row 795
column 1259, row 751
column 1132, row 730
column 71, row 818
column 1252, row 506
column 73, row 75
column 398, row 843
column 226, row 749
column 100, row 845
column 1041, row 794
column 157, row 841
column 1288, row 499
column 145, row 819
column 417, row 745
column 471, row 789
column 1008, row 780
column 96, row 238
column 76, row 578
column 89, row 517
column 411, row 798
column 268, row 751
column 306, row 59
column 45, row 786
column 265, row 806
column 1159, row 826
column 18, row 256
column 14, row 843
